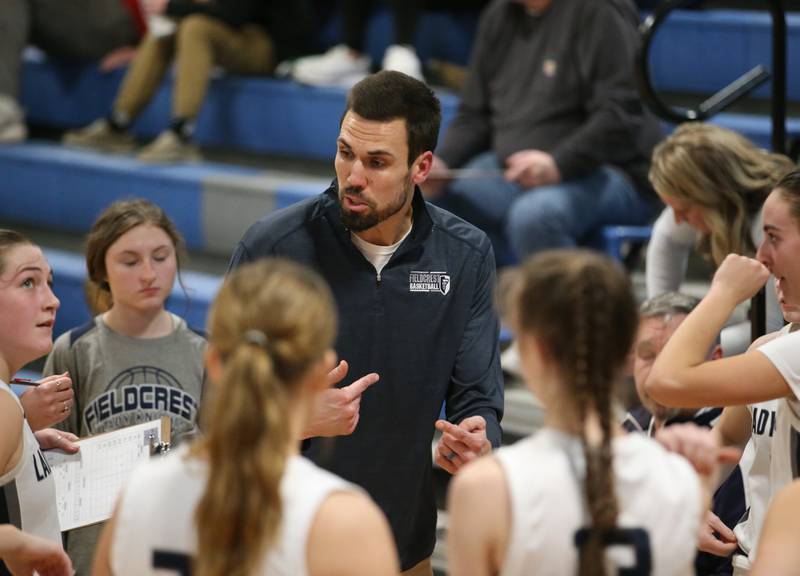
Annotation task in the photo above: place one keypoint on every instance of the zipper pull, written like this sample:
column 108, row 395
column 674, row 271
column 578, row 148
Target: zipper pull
column 378, row 279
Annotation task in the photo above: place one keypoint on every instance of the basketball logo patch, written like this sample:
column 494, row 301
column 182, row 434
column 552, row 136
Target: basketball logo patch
column 429, row 282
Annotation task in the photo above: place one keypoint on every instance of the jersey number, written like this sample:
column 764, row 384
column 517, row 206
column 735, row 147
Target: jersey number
column 636, row 538
column 173, row 561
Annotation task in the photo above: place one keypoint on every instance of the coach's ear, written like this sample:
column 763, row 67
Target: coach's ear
column 421, row 167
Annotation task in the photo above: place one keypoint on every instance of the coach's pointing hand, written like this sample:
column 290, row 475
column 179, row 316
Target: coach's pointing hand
column 460, row 444
column 336, row 410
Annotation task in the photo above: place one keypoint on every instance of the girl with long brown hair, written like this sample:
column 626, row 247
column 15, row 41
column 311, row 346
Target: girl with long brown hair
column 579, row 496
column 135, row 361
column 241, row 501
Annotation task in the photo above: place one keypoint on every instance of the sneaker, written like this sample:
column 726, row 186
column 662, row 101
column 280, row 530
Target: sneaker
column 12, row 122
column 336, row 67
column 99, row 135
column 169, row 148
column 403, row 58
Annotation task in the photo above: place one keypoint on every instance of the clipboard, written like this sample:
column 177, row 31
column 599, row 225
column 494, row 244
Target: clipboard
column 88, row 482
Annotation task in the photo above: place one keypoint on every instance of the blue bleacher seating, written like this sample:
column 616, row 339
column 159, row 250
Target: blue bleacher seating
column 701, row 51
column 51, row 186
column 46, row 185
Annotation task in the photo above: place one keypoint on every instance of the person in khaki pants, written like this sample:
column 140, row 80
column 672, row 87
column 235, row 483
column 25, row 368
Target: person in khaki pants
column 241, row 36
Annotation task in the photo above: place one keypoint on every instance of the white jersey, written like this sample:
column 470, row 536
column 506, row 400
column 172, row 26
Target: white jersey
column 784, row 354
column 658, row 494
column 755, row 466
column 28, row 491
column 155, row 522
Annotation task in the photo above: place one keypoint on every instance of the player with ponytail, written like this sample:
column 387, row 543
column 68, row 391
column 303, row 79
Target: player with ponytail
column 241, row 500
column 579, row 496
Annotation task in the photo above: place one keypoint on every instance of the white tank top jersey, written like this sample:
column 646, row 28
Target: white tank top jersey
column 658, row 495
column 155, row 532
column 755, row 465
column 784, row 354
column 28, row 491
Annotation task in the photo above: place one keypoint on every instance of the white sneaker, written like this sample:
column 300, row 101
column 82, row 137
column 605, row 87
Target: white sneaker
column 100, row 136
column 169, row 148
column 336, row 67
column 12, row 122
column 403, row 58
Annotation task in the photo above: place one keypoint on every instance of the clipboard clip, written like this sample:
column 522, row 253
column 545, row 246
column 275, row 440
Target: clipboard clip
column 156, row 447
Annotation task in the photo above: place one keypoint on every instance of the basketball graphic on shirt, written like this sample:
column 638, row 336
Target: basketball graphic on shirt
column 143, row 375
column 141, row 394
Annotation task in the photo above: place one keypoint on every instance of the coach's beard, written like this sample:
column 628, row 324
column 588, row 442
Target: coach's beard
column 358, row 222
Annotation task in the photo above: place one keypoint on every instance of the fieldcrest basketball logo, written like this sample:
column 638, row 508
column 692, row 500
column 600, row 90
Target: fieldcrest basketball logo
column 429, row 282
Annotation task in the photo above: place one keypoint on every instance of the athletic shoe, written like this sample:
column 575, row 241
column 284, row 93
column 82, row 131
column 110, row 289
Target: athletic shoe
column 169, row 148
column 100, row 136
column 12, row 122
column 403, row 58
column 336, row 67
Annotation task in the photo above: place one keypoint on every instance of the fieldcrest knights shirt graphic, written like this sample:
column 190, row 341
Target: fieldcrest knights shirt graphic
column 121, row 381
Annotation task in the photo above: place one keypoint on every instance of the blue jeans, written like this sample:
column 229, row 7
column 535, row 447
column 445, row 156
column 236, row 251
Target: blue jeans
column 523, row 221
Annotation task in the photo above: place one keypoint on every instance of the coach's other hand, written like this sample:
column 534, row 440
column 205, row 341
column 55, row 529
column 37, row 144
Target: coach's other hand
column 461, row 444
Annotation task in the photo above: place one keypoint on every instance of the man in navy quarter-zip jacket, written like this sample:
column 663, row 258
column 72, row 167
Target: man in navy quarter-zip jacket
column 414, row 289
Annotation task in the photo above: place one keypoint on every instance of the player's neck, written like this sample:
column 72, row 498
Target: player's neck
column 567, row 421
column 154, row 323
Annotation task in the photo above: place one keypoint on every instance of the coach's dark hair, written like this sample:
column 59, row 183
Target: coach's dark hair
column 789, row 189
column 580, row 307
column 10, row 239
column 390, row 95
column 271, row 322
column 116, row 220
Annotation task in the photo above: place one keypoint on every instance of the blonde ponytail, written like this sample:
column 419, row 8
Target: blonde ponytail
column 271, row 321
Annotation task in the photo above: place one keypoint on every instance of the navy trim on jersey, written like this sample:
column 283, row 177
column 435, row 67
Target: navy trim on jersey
column 9, row 513
column 77, row 333
column 199, row 331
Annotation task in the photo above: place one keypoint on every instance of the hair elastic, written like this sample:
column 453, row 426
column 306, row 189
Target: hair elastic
column 256, row 337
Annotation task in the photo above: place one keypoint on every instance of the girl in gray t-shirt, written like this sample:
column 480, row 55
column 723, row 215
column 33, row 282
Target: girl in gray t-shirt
column 134, row 361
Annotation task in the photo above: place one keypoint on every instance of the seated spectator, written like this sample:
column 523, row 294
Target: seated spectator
column 347, row 62
column 242, row 36
column 714, row 183
column 659, row 317
column 551, row 135
column 79, row 30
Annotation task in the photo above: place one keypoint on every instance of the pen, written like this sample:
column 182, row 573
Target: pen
column 24, row 381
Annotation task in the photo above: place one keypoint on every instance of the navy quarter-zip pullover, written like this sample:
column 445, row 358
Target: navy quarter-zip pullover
column 427, row 325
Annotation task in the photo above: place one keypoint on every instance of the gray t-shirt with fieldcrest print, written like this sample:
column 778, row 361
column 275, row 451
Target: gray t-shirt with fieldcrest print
column 120, row 381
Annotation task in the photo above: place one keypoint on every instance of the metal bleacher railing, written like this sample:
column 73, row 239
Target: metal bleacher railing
column 721, row 100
